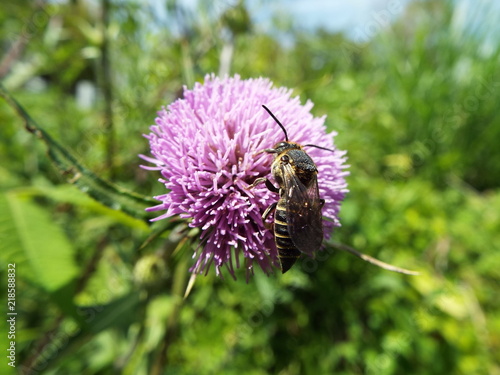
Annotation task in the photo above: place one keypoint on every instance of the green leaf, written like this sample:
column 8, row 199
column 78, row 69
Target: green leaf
column 29, row 238
column 70, row 194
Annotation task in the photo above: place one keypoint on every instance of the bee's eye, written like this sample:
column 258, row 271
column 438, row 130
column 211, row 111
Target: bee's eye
column 285, row 159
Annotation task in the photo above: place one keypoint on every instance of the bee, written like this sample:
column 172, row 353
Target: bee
column 298, row 222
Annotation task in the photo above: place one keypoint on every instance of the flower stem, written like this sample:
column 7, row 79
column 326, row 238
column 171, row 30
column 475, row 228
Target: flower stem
column 107, row 89
column 374, row 261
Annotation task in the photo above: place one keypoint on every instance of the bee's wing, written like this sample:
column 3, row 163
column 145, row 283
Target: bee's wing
column 303, row 206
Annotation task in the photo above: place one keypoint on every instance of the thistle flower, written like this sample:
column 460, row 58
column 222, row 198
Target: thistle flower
column 206, row 147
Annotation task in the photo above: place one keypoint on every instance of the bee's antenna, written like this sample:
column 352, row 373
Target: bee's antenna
column 277, row 121
column 323, row 148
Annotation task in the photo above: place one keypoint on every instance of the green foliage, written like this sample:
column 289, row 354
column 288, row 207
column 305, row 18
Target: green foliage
column 99, row 290
column 30, row 239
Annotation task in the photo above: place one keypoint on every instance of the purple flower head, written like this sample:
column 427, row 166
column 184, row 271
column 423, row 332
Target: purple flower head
column 206, row 147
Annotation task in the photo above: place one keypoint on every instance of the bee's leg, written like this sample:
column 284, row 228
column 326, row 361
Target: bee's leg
column 271, row 187
column 269, row 184
column 266, row 214
column 321, row 203
column 268, row 150
column 256, row 182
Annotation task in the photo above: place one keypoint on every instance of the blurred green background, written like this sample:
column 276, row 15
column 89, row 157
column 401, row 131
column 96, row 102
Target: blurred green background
column 416, row 104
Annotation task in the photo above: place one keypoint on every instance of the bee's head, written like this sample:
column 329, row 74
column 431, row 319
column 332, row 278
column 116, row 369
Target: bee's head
column 285, row 146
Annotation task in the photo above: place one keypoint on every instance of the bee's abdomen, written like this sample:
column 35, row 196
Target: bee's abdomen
column 287, row 252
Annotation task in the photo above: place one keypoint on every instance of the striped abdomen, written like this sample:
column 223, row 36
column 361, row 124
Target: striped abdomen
column 287, row 251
